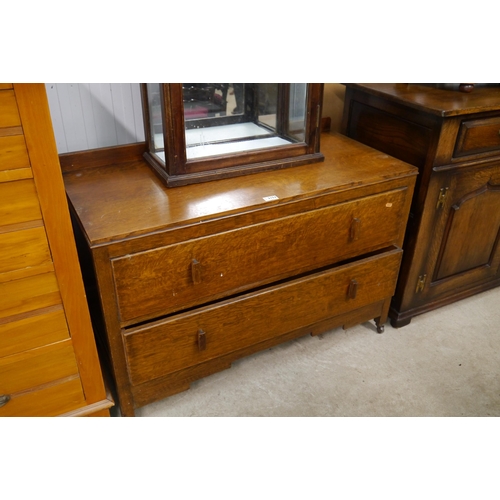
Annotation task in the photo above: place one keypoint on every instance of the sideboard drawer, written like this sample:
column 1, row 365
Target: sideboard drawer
column 175, row 277
column 478, row 136
column 191, row 338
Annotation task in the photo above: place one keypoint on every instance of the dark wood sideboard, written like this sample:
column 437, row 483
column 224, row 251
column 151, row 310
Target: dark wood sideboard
column 191, row 278
column 451, row 250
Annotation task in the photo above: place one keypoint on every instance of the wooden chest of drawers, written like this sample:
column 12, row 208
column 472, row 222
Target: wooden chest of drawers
column 191, row 278
column 452, row 246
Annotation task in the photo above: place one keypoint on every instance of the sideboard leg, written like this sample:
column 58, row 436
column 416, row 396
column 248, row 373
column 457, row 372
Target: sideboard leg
column 399, row 323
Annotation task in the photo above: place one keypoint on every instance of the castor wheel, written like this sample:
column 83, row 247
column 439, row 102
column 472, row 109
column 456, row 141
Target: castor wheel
column 380, row 328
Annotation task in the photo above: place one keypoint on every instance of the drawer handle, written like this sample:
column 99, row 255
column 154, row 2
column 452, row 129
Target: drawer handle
column 353, row 289
column 354, row 231
column 195, row 271
column 4, row 399
column 202, row 340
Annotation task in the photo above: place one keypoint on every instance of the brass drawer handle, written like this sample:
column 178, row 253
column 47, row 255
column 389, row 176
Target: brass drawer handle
column 353, row 289
column 4, row 399
column 202, row 340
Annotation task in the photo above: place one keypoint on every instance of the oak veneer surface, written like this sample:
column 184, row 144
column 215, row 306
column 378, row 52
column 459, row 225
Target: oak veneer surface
column 431, row 98
column 242, row 322
column 191, row 278
column 306, row 241
column 452, row 248
column 125, row 200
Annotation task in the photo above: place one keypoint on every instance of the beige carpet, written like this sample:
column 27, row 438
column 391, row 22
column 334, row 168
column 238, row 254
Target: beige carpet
column 446, row 363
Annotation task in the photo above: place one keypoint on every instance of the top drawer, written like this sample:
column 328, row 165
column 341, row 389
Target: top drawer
column 175, row 277
column 478, row 136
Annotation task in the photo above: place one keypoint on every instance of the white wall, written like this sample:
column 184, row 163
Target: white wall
column 95, row 115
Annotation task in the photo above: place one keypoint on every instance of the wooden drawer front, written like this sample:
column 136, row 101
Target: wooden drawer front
column 9, row 114
column 168, row 279
column 24, row 253
column 28, row 294
column 18, row 202
column 48, row 401
column 478, row 136
column 37, row 367
column 40, row 329
column 14, row 160
column 195, row 337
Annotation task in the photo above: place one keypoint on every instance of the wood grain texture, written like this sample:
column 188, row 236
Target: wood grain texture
column 478, row 136
column 49, row 400
column 479, row 209
column 454, row 244
column 458, row 257
column 13, row 153
column 436, row 100
column 15, row 175
column 28, row 294
column 9, row 115
column 159, row 281
column 44, row 327
column 171, row 345
column 37, row 127
column 101, row 157
column 23, row 253
column 106, row 289
column 36, row 367
column 10, row 131
column 143, row 238
column 179, row 381
column 100, row 409
column 129, row 200
column 19, row 202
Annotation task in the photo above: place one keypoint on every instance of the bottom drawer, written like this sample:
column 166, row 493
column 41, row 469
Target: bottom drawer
column 23, row 371
column 48, row 401
column 203, row 334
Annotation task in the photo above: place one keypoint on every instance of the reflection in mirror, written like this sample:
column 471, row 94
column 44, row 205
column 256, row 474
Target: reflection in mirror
column 225, row 118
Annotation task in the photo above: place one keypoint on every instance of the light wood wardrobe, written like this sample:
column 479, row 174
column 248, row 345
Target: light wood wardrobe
column 48, row 359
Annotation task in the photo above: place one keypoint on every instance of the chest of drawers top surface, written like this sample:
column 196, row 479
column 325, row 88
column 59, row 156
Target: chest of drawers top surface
column 124, row 200
column 434, row 99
